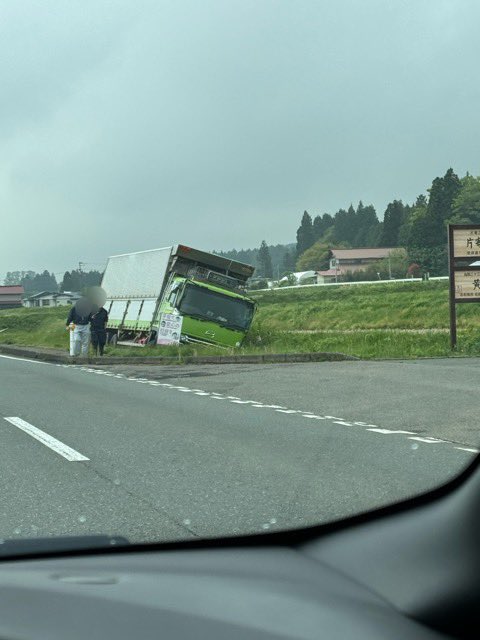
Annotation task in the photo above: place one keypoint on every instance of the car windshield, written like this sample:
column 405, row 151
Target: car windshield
column 225, row 310
column 239, row 263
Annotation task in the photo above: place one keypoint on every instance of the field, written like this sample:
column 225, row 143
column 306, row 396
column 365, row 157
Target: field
column 397, row 320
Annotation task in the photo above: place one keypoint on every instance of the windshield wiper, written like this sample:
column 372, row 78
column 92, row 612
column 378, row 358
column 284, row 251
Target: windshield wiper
column 26, row 546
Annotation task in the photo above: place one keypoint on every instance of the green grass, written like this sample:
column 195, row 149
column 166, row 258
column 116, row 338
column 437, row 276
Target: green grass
column 372, row 344
column 368, row 321
column 34, row 327
column 414, row 305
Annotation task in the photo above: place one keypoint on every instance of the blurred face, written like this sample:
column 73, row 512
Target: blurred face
column 84, row 306
column 97, row 296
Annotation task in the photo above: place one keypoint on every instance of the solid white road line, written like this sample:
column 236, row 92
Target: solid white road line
column 49, row 441
column 25, row 360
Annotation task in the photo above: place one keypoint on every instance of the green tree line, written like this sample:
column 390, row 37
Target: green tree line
column 270, row 261
column 32, row 282
column 419, row 228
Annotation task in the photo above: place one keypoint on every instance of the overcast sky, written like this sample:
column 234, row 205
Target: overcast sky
column 132, row 125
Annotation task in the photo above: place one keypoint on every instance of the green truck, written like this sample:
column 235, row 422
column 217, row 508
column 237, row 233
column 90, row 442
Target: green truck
column 177, row 294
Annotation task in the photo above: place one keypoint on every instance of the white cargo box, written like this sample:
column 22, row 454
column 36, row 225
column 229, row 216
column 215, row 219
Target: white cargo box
column 136, row 275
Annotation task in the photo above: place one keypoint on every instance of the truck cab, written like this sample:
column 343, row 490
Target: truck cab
column 210, row 313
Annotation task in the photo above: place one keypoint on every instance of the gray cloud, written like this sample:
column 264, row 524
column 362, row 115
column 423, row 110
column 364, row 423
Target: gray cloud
column 131, row 125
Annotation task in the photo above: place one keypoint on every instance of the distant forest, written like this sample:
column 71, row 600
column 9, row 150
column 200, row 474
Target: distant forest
column 419, row 228
column 283, row 258
column 32, row 282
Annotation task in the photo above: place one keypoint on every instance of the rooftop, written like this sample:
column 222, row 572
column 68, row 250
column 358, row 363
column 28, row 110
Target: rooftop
column 364, row 252
column 8, row 289
column 328, row 272
column 54, row 294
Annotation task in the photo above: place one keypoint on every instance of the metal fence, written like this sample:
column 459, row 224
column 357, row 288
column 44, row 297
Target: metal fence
column 344, row 284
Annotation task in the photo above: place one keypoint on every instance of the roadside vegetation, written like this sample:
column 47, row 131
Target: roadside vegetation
column 397, row 320
column 399, row 305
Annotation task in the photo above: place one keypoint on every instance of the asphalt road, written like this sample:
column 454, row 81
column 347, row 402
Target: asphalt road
column 168, row 453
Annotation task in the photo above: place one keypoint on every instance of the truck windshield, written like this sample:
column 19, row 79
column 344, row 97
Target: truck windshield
column 209, row 305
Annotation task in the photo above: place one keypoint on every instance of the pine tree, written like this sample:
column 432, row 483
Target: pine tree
column 366, row 224
column 45, row 282
column 466, row 206
column 321, row 224
column 439, row 209
column 264, row 261
column 421, row 201
column 346, row 227
column 317, row 228
column 392, row 221
column 305, row 235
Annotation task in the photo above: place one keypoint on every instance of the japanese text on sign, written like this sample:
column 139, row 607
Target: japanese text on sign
column 467, row 285
column 169, row 329
column 466, row 243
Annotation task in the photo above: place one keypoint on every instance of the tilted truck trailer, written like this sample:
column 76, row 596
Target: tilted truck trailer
column 206, row 290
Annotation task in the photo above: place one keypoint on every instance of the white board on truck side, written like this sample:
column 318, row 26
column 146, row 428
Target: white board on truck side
column 136, row 275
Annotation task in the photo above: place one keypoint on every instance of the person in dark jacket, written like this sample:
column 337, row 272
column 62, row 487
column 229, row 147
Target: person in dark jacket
column 98, row 332
column 78, row 322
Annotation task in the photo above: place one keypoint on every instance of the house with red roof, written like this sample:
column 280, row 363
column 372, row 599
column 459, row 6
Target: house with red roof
column 11, row 297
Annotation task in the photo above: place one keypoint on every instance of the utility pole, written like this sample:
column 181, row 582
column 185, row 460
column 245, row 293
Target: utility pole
column 80, row 271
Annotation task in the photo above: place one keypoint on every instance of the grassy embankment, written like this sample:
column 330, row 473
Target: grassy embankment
column 384, row 320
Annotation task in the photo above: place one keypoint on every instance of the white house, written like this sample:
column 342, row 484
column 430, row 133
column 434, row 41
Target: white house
column 51, row 299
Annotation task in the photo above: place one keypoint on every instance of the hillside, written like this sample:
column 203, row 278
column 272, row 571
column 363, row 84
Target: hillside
column 415, row 305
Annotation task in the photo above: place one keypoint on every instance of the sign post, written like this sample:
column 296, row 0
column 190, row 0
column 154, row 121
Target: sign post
column 464, row 269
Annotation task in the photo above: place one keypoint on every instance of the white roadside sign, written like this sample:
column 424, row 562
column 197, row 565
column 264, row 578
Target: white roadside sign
column 169, row 329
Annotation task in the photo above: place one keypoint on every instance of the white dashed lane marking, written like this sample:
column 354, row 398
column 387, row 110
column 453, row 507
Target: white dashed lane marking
column 255, row 404
column 388, row 431
column 427, row 439
column 49, row 441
